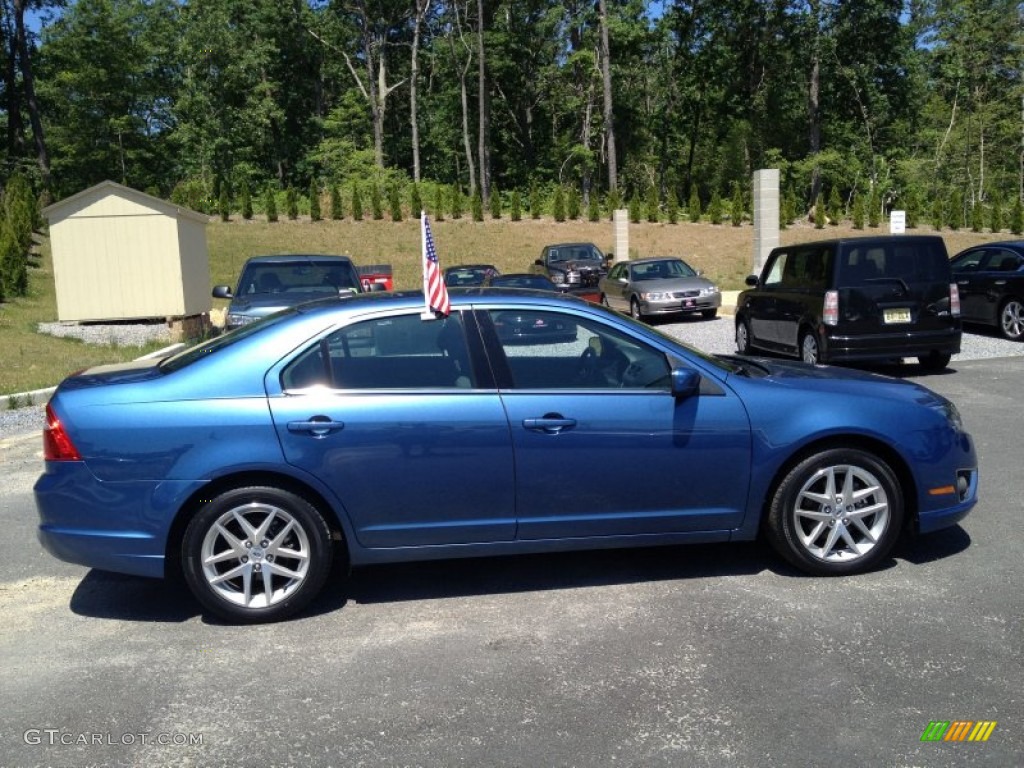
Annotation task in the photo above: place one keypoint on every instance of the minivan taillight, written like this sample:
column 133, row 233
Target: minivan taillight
column 830, row 314
column 954, row 300
column 57, row 446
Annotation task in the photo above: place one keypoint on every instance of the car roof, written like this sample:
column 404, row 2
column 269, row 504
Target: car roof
column 866, row 239
column 569, row 245
column 459, row 297
column 1015, row 244
column 302, row 258
column 455, row 267
column 650, row 259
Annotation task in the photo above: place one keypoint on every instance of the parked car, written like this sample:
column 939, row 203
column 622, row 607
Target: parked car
column 868, row 298
column 521, row 280
column 659, row 286
column 990, row 279
column 572, row 265
column 542, row 283
column 354, row 429
column 268, row 284
column 469, row 274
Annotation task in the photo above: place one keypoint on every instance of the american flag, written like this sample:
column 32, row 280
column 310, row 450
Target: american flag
column 433, row 281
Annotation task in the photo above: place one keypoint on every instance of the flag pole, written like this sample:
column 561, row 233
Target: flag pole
column 428, row 313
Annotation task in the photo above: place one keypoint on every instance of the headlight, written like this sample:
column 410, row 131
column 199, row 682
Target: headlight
column 952, row 415
column 711, row 290
column 233, row 321
column 656, row 296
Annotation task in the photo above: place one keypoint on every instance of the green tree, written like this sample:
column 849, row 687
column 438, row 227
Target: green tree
column 395, row 203
column 337, row 212
column 995, row 214
column 819, row 212
column 517, row 205
column 292, row 203
column 415, row 201
column 477, row 205
column 13, row 263
column 653, row 204
column 572, row 203
column 439, row 203
column 1017, row 217
column 955, row 210
column 693, row 210
column 270, row 204
column 938, row 214
column 536, row 204
column 376, row 202
column 858, row 211
column 558, row 203
column 736, row 207
column 594, row 207
column 672, row 207
column 874, row 209
column 715, row 208
column 314, row 201
column 246, row 195
column 977, row 216
column 635, row 207
column 835, row 206
column 495, row 202
column 223, row 207
column 357, row 203
column 456, row 201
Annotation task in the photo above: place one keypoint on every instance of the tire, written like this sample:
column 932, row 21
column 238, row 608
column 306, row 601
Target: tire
column 810, row 352
column 709, row 314
column 634, row 310
column 838, row 512
column 256, row 554
column 743, row 337
column 1011, row 320
column 936, row 361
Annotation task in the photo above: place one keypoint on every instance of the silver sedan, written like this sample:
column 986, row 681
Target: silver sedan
column 659, row 286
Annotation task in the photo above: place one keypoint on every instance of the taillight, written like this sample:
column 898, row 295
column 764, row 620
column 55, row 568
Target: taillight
column 954, row 300
column 830, row 315
column 57, row 446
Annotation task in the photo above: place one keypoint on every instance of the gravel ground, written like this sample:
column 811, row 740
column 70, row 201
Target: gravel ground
column 715, row 337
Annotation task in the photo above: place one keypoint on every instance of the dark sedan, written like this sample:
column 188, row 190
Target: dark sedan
column 990, row 279
column 355, row 430
column 469, row 274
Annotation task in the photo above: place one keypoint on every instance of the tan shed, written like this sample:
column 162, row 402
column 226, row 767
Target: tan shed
column 121, row 254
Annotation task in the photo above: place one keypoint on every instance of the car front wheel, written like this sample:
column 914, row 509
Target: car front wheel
column 634, row 309
column 837, row 512
column 1011, row 320
column 256, row 554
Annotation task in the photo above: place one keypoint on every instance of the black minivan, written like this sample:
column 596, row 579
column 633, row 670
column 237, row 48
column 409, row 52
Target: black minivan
column 855, row 299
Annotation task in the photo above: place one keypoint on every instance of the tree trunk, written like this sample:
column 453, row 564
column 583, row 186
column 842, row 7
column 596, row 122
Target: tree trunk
column 28, row 81
column 483, row 109
column 414, row 74
column 814, row 102
column 606, row 77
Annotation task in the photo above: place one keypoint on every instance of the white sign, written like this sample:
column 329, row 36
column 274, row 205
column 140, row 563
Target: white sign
column 897, row 222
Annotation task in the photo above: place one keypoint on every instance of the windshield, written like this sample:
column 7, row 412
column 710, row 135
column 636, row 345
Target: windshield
column 662, row 270
column 573, row 253
column 305, row 277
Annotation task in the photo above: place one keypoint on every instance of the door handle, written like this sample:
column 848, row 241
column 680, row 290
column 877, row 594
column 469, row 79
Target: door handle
column 318, row 426
column 551, row 424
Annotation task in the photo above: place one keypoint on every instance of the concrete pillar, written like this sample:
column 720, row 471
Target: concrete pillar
column 766, row 214
column 620, row 226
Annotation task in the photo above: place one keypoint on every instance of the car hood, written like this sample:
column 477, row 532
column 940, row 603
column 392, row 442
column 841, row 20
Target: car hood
column 675, row 284
column 809, row 378
column 260, row 304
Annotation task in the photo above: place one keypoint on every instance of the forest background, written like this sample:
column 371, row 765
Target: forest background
column 225, row 104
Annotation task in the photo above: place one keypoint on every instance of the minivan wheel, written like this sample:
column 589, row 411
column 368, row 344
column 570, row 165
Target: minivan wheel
column 936, row 361
column 743, row 337
column 1011, row 320
column 809, row 348
column 837, row 512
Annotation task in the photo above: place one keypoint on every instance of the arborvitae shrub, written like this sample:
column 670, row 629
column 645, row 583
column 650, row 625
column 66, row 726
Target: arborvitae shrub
column 314, row 201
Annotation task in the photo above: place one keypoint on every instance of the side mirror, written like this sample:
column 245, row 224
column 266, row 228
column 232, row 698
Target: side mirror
column 539, row 262
column 751, row 281
column 685, row 383
column 222, row 292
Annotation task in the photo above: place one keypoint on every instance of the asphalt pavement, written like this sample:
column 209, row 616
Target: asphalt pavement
column 714, row 655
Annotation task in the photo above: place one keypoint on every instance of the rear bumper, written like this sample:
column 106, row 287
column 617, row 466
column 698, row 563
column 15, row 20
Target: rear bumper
column 886, row 346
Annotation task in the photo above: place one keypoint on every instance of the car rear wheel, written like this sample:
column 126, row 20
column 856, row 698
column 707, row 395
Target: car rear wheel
column 1011, row 320
column 256, row 554
column 743, row 337
column 936, row 361
column 809, row 350
column 837, row 512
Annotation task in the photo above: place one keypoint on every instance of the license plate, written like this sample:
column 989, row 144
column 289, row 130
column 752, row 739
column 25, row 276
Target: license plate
column 896, row 316
column 687, row 302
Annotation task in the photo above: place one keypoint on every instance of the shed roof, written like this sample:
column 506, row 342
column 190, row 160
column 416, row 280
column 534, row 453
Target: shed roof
column 69, row 205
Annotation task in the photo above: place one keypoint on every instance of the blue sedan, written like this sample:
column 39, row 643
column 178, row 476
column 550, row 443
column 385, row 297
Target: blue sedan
column 355, row 429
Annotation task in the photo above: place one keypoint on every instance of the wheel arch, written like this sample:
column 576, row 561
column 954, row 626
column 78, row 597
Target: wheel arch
column 899, row 467
column 217, row 486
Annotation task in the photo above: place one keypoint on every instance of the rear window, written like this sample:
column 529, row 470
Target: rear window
column 910, row 261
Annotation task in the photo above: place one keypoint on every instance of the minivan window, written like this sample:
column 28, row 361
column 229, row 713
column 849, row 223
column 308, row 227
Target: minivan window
column 912, row 262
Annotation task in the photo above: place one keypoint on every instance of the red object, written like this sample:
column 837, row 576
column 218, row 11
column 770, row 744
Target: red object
column 376, row 274
column 57, row 446
column 437, row 292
